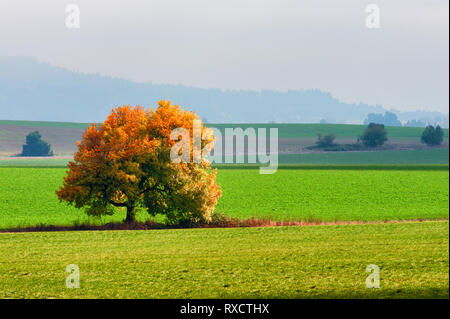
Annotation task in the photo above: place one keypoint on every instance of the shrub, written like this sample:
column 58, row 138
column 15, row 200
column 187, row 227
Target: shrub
column 432, row 136
column 35, row 146
column 374, row 135
column 325, row 141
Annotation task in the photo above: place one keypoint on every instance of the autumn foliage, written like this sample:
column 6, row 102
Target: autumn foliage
column 125, row 162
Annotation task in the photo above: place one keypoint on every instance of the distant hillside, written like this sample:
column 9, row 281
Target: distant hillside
column 30, row 90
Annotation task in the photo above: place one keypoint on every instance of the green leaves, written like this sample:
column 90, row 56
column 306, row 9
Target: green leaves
column 432, row 136
column 35, row 146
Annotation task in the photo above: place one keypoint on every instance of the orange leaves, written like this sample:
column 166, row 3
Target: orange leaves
column 124, row 134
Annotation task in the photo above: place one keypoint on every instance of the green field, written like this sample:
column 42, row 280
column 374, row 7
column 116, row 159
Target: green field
column 425, row 156
column 35, row 162
column 28, row 197
column 335, row 194
column 269, row 262
column 284, row 130
column 274, row 262
column 45, row 124
column 429, row 156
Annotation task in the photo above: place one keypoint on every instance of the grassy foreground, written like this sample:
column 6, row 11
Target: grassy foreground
column 27, row 195
column 275, row 262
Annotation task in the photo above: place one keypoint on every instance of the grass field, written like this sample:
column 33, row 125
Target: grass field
column 426, row 156
column 269, row 262
column 45, row 124
column 275, row 262
column 429, row 156
column 28, row 197
column 35, row 162
column 284, row 130
column 335, row 194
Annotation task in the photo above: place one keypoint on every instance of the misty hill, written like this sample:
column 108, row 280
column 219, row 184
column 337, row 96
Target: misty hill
column 30, row 90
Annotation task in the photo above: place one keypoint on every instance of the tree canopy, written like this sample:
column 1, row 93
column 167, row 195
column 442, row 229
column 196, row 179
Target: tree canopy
column 388, row 119
column 126, row 162
column 374, row 135
column 432, row 136
column 35, row 146
column 325, row 141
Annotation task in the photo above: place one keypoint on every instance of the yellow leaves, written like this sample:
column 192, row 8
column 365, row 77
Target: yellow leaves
column 129, row 178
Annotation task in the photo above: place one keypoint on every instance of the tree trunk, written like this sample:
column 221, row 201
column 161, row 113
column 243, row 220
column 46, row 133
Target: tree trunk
column 131, row 215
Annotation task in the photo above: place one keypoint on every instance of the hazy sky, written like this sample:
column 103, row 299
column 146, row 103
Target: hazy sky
column 247, row 44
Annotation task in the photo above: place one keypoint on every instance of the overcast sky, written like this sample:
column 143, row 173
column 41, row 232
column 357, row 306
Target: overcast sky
column 247, row 44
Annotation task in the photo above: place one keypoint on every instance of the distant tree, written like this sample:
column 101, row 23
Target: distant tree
column 325, row 141
column 374, row 135
column 415, row 123
column 432, row 136
column 388, row 119
column 126, row 162
column 323, row 121
column 35, row 146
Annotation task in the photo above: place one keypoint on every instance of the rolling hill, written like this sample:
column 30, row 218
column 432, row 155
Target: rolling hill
column 404, row 142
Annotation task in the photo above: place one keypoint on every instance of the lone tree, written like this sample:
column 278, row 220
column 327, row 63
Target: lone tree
column 35, row 146
column 126, row 162
column 432, row 136
column 325, row 141
column 374, row 135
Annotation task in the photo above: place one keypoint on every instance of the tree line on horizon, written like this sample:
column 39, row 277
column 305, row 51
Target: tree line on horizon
column 376, row 135
column 391, row 119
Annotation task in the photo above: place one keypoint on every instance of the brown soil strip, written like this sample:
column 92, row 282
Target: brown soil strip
column 229, row 223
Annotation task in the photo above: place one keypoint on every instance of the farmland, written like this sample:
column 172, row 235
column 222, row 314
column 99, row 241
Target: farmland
column 430, row 156
column 341, row 130
column 342, row 193
column 385, row 191
column 274, row 262
column 292, row 137
column 335, row 194
column 285, row 130
column 427, row 156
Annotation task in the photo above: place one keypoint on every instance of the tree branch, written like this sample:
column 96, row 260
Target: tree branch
column 117, row 204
